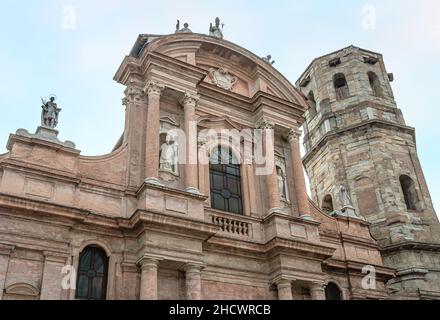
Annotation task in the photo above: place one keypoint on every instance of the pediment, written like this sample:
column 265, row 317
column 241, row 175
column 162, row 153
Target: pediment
column 217, row 123
column 22, row 289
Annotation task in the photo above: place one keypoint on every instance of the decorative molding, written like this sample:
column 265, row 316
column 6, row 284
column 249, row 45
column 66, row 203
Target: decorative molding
column 265, row 124
column 189, row 99
column 294, row 135
column 133, row 94
column 46, row 134
column 154, row 88
column 221, row 78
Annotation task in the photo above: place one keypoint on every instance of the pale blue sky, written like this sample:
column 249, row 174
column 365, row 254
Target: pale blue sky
column 39, row 57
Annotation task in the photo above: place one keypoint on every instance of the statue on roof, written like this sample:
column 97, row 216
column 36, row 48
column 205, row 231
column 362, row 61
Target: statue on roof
column 268, row 59
column 216, row 31
column 185, row 28
column 50, row 112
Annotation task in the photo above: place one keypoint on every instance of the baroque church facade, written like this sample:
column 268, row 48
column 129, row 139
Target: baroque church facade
column 148, row 222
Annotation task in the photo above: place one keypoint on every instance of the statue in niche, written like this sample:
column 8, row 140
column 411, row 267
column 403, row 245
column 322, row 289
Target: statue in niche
column 169, row 156
column 344, row 197
column 185, row 28
column 282, row 184
column 215, row 31
column 50, row 112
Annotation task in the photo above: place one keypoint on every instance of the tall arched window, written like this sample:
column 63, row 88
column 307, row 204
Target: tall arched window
column 341, row 86
column 312, row 104
column 332, row 292
column 327, row 204
column 225, row 178
column 92, row 274
column 375, row 84
column 409, row 192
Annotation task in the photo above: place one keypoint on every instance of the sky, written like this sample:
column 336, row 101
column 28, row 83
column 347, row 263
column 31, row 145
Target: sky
column 73, row 49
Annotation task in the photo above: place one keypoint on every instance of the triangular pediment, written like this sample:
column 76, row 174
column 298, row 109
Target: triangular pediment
column 225, row 122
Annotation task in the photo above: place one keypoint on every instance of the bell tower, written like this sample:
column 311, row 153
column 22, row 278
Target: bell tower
column 361, row 154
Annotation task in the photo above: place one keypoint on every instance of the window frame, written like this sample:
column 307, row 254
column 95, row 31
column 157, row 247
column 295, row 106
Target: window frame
column 228, row 172
column 94, row 250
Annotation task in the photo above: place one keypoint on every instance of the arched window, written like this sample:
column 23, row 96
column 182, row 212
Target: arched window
column 225, row 179
column 375, row 84
column 92, row 274
column 327, row 204
column 409, row 192
column 312, row 104
column 332, row 292
column 341, row 86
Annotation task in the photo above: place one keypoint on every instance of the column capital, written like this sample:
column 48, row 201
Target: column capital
column 193, row 267
column 294, row 135
column 265, row 124
column 189, row 99
column 283, row 283
column 133, row 94
column 148, row 262
column 154, row 87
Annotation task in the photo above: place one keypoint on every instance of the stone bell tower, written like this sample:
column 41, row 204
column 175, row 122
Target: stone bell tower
column 360, row 154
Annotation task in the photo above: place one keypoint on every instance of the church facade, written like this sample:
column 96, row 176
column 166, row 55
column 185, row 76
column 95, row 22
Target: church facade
column 177, row 211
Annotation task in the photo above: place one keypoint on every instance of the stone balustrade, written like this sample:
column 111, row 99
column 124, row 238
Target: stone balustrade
column 232, row 226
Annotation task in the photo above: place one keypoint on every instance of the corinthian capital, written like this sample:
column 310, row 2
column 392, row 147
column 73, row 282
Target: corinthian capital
column 189, row 99
column 132, row 94
column 265, row 124
column 294, row 135
column 154, row 88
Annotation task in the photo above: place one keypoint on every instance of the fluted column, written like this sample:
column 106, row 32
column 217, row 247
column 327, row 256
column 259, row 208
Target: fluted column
column 148, row 278
column 317, row 291
column 189, row 103
column 298, row 173
column 271, row 178
column 193, row 281
column 153, row 90
column 284, row 287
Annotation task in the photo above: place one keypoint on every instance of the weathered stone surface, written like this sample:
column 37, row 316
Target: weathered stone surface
column 361, row 141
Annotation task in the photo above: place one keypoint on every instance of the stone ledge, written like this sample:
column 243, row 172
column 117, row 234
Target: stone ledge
column 42, row 134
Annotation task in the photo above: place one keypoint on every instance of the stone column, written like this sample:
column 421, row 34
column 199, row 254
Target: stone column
column 149, row 269
column 271, row 178
column 189, row 103
column 317, row 291
column 193, row 282
column 5, row 253
column 135, row 102
column 298, row 174
column 284, row 289
column 51, row 285
column 153, row 90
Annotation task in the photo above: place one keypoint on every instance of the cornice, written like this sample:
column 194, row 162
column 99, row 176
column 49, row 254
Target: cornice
column 375, row 122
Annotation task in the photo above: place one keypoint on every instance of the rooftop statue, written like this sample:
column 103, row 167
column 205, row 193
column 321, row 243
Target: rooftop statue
column 215, row 31
column 268, row 59
column 50, row 112
column 185, row 28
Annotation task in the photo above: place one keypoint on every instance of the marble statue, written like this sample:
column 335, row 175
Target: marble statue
column 50, row 112
column 185, row 28
column 169, row 156
column 344, row 197
column 282, row 183
column 215, row 31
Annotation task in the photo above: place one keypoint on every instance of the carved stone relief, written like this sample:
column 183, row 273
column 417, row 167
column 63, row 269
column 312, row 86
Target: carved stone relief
column 222, row 78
